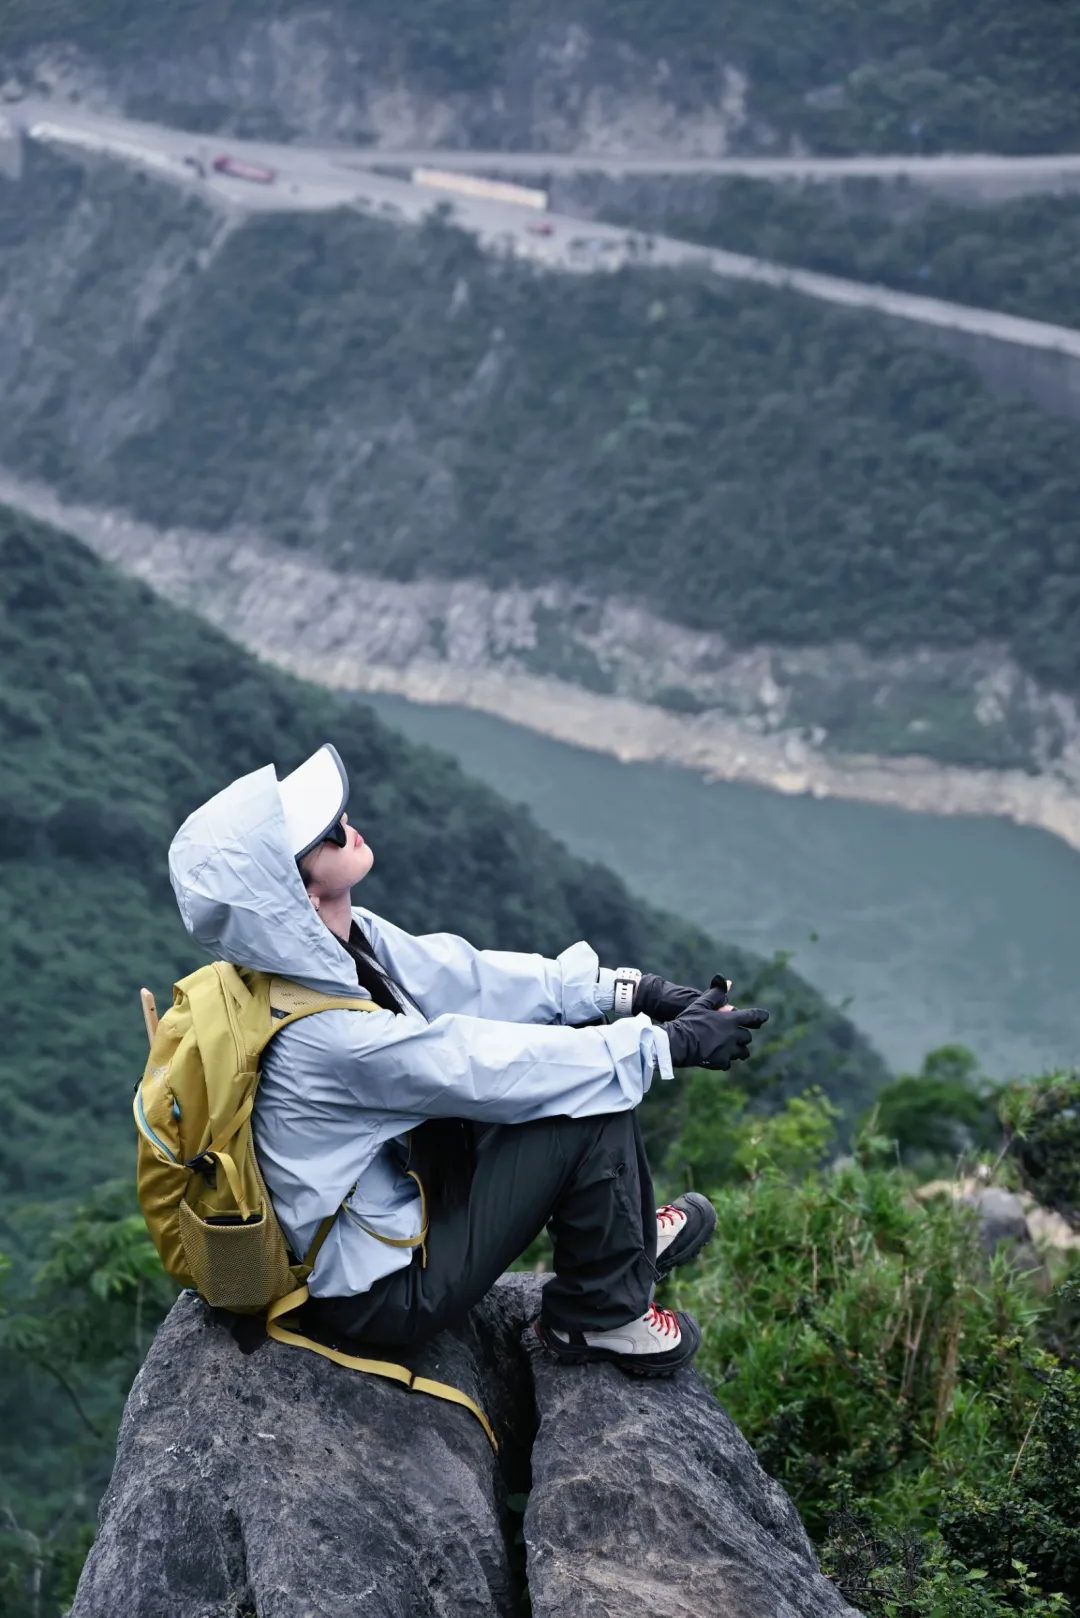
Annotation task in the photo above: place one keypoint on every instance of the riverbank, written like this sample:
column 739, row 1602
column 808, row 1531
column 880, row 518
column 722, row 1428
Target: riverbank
column 719, row 748
column 459, row 643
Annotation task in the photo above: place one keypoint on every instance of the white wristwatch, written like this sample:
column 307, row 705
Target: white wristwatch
column 627, row 979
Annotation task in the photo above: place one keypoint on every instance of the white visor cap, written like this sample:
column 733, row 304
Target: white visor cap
column 313, row 798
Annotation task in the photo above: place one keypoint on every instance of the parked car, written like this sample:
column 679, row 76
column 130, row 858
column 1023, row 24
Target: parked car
column 542, row 227
column 243, row 171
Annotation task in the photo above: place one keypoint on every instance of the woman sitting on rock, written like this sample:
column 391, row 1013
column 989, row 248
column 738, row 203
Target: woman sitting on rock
column 494, row 1091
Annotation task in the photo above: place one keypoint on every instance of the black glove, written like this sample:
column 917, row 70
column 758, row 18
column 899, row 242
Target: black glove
column 663, row 1001
column 705, row 1036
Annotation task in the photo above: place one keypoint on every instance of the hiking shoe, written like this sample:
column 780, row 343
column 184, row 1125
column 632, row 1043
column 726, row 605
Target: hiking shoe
column 682, row 1229
column 656, row 1344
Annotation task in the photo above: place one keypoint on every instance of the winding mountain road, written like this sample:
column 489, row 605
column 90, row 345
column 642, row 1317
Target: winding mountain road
column 976, row 175
column 1028, row 356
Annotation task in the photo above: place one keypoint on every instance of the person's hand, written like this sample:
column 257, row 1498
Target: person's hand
column 663, row 1001
column 706, row 1036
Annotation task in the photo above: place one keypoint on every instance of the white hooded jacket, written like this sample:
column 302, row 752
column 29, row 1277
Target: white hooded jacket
column 490, row 1036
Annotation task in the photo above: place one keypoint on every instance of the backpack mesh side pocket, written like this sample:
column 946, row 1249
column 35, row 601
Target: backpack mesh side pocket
column 235, row 1263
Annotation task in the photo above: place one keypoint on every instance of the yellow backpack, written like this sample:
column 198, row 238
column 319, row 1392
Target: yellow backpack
column 203, row 1198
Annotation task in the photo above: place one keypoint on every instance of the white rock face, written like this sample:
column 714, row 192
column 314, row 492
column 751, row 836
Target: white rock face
column 462, row 642
column 11, row 153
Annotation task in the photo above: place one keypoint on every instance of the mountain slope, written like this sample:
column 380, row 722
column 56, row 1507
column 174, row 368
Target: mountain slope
column 1018, row 256
column 738, row 459
column 903, row 75
column 118, row 715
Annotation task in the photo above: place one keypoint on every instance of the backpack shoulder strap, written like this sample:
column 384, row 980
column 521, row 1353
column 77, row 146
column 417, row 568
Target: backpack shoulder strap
column 289, row 1000
column 354, row 1362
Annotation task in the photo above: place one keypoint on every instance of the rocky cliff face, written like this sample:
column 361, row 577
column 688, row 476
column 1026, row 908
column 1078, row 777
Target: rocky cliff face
column 253, row 1478
column 329, row 74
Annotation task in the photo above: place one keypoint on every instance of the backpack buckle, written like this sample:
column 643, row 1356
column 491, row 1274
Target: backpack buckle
column 205, row 1165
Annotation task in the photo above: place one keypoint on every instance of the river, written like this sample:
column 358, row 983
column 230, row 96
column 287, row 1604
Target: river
column 934, row 929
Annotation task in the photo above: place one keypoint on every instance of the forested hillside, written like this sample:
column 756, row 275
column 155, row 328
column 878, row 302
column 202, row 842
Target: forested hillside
column 909, row 75
column 736, row 458
column 1018, row 256
column 393, row 401
column 117, row 716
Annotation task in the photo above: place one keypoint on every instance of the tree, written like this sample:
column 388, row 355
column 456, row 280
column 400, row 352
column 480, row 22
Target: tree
column 82, row 1321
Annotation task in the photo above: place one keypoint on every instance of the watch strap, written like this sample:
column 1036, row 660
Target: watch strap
column 627, row 979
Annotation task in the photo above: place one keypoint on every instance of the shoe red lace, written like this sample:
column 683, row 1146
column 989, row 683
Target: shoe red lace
column 663, row 1321
column 669, row 1218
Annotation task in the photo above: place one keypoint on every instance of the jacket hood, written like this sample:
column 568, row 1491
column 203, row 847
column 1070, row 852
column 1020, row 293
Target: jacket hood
column 241, row 896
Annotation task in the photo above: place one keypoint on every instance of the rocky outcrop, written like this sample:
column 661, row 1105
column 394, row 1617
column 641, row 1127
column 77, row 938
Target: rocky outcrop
column 647, row 1498
column 1000, row 1214
column 254, row 1479
column 1009, row 1222
column 272, row 1482
column 1003, row 1226
column 329, row 72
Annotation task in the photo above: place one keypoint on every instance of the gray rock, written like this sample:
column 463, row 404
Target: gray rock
column 1001, row 1216
column 274, row 1483
column 1003, row 1224
column 647, row 1499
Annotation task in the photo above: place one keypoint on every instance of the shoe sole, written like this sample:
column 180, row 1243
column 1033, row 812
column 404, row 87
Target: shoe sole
column 622, row 1362
column 699, row 1246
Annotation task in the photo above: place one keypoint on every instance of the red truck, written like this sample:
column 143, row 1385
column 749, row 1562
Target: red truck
column 243, row 171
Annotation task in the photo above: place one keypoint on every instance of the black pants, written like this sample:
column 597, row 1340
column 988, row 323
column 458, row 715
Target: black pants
column 588, row 1178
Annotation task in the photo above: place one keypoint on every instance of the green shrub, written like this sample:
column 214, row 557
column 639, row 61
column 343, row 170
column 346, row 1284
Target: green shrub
column 721, row 1138
column 907, row 1575
column 76, row 1328
column 1047, row 1144
column 1032, row 1515
column 896, row 1381
column 944, row 1112
column 865, row 1341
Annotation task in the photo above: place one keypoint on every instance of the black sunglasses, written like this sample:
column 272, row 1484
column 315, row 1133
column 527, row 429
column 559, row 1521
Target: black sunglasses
column 336, row 834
